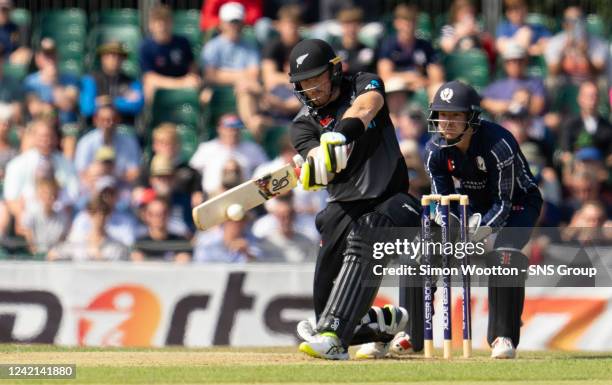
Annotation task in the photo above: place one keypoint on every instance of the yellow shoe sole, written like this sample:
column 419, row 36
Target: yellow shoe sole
column 305, row 348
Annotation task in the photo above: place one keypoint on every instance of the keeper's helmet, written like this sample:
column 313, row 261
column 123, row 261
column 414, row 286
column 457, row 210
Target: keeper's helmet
column 454, row 96
column 310, row 58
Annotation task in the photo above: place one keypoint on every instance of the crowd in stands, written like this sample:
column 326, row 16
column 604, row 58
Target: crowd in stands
column 97, row 164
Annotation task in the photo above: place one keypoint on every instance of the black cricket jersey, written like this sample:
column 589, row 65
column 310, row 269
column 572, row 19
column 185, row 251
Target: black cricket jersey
column 493, row 172
column 375, row 167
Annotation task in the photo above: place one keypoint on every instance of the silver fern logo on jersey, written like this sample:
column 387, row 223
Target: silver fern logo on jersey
column 446, row 95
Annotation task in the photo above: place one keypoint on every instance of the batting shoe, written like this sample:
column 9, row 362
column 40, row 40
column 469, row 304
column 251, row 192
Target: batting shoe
column 503, row 348
column 306, row 329
column 326, row 346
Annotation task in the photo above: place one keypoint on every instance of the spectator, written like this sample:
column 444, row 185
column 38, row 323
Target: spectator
column 51, row 86
column 405, row 56
column 42, row 160
column 356, row 57
column 161, row 179
column 497, row 97
column 419, row 181
column 588, row 128
column 229, row 60
column 210, row 156
column 166, row 60
column 463, row 33
column 102, row 166
column 159, row 243
column 10, row 37
column 7, row 152
column 45, row 223
column 228, row 243
column 11, row 90
column 209, row 17
column 166, row 142
column 37, row 109
column 412, row 125
column 96, row 244
column 125, row 145
column 286, row 244
column 279, row 100
column 110, row 85
column 583, row 186
column 120, row 224
column 586, row 226
column 532, row 37
column 397, row 98
column 528, row 128
column 573, row 52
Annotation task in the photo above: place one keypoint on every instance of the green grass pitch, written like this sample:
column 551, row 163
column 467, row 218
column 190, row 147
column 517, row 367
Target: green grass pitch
column 287, row 366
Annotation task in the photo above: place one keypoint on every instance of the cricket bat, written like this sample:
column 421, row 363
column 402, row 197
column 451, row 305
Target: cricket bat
column 249, row 194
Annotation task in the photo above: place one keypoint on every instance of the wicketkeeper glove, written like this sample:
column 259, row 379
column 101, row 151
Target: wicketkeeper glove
column 478, row 232
column 335, row 151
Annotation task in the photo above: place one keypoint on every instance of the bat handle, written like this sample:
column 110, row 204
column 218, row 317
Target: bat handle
column 298, row 160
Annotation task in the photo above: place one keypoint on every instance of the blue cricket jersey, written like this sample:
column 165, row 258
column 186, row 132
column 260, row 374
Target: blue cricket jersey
column 493, row 173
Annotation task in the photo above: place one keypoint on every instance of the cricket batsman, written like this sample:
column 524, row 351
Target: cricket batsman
column 479, row 158
column 349, row 145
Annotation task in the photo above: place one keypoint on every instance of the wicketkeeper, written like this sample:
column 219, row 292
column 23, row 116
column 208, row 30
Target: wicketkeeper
column 481, row 159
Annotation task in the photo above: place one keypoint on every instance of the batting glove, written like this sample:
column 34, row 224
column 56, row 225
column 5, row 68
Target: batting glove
column 314, row 175
column 335, row 151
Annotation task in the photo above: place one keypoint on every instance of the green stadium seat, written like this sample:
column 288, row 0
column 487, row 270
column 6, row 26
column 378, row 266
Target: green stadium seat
column 65, row 17
column 596, row 26
column 470, row 66
column 22, row 17
column 72, row 67
column 272, row 140
column 187, row 16
column 549, row 22
column 15, row 71
column 187, row 23
column 180, row 106
column 420, row 99
column 424, row 28
column 189, row 141
column 223, row 101
column 117, row 17
column 537, row 67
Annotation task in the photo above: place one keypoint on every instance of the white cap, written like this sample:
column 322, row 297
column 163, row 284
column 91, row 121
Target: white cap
column 231, row 11
column 395, row 85
column 514, row 51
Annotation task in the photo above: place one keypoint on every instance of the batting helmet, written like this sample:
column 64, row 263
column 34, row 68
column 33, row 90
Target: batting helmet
column 310, row 58
column 455, row 96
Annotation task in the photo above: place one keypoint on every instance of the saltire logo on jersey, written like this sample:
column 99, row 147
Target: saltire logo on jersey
column 373, row 85
column 451, row 165
column 326, row 121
